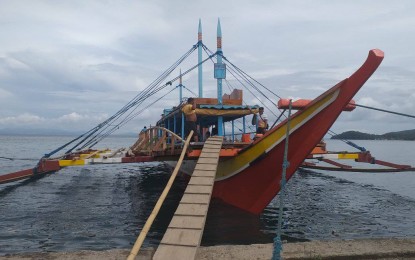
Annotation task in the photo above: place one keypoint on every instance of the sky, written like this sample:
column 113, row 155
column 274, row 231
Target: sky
column 69, row 65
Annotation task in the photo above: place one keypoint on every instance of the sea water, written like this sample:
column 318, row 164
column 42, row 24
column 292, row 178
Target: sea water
column 100, row 207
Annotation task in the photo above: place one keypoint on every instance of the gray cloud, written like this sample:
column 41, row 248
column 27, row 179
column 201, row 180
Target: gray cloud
column 78, row 61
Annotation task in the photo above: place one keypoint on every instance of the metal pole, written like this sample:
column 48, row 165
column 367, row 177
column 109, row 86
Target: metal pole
column 233, row 131
column 174, row 124
column 219, row 75
column 199, row 49
column 277, row 240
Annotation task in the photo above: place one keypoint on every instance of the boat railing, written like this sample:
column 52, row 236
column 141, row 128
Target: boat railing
column 157, row 140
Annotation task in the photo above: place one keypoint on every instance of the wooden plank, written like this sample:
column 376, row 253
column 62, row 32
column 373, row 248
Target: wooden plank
column 212, row 145
column 174, row 252
column 201, row 180
column 196, row 198
column 183, row 237
column 200, row 189
column 210, row 150
column 207, row 160
column 185, row 230
column 192, row 209
column 195, row 222
column 206, row 167
column 209, row 155
column 216, row 138
column 201, row 173
column 146, row 228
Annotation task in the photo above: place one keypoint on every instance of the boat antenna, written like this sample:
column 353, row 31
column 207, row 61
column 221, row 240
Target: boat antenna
column 180, row 87
column 220, row 73
column 199, row 59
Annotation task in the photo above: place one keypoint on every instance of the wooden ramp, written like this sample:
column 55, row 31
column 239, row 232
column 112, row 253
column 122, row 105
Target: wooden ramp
column 184, row 234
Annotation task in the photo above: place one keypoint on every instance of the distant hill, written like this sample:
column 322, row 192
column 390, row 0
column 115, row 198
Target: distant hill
column 408, row 135
column 50, row 132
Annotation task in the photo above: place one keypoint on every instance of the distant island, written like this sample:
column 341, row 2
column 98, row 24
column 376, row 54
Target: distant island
column 407, row 135
column 51, row 132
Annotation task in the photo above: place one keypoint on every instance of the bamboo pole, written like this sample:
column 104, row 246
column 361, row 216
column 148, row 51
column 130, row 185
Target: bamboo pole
column 149, row 222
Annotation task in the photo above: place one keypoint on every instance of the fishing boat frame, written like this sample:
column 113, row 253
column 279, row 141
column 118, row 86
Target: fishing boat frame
column 249, row 172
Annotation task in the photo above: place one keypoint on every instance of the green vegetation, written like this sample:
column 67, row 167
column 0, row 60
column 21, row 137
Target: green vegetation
column 408, row 135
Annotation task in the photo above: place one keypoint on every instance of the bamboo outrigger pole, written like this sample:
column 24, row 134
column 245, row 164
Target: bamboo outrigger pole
column 149, row 222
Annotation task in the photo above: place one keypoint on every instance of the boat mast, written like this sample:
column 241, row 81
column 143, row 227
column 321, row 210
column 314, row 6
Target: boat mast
column 199, row 49
column 180, row 88
column 220, row 73
column 180, row 101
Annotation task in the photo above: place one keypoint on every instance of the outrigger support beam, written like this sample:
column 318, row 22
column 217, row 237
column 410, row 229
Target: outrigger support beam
column 363, row 157
column 43, row 167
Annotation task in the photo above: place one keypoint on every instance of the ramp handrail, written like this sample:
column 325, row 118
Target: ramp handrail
column 149, row 222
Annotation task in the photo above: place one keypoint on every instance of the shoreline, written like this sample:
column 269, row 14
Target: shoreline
column 379, row 248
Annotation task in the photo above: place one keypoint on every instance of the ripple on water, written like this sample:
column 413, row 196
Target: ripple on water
column 104, row 207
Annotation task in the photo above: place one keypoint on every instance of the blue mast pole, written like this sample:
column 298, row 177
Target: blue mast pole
column 181, row 98
column 174, row 124
column 199, row 49
column 220, row 73
column 180, row 88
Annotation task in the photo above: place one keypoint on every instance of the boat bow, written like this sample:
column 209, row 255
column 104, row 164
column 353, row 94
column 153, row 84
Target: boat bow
column 252, row 179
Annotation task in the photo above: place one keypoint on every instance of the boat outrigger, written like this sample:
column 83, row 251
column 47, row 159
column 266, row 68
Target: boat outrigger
column 249, row 169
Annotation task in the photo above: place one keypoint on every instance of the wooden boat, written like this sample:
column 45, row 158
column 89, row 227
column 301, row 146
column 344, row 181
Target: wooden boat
column 249, row 172
column 250, row 178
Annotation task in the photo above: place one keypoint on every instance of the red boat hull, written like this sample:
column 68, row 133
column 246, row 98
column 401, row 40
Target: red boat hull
column 256, row 184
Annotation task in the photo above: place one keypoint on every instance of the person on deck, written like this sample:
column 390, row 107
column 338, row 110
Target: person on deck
column 262, row 122
column 189, row 111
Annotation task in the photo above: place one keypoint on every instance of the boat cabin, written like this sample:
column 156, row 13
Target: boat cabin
column 207, row 111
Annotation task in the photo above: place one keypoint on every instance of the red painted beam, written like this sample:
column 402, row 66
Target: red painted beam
column 44, row 166
column 15, row 176
column 343, row 166
column 392, row 165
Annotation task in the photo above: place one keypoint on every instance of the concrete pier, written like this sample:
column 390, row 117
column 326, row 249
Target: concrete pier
column 388, row 248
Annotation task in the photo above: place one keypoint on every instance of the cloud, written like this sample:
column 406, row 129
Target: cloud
column 24, row 119
column 75, row 61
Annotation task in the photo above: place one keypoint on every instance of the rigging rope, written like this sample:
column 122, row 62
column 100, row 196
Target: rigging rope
column 232, row 71
column 193, row 93
column 361, row 148
column 246, row 77
column 18, row 159
column 386, row 111
column 129, row 117
column 132, row 102
column 98, row 130
column 276, row 254
column 230, row 87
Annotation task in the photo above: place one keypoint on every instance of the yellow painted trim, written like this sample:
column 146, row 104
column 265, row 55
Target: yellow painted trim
column 238, row 163
column 64, row 163
column 348, row 156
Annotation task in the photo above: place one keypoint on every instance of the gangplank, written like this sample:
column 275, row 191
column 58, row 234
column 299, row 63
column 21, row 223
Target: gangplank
column 184, row 233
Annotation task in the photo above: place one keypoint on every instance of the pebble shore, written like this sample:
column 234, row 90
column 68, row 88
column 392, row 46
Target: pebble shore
column 394, row 248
